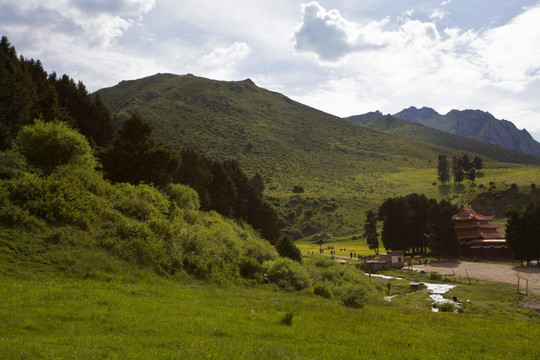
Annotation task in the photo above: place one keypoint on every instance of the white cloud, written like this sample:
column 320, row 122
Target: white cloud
column 510, row 53
column 328, row 35
column 438, row 14
column 221, row 63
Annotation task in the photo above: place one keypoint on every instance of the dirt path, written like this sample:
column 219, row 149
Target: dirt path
column 491, row 272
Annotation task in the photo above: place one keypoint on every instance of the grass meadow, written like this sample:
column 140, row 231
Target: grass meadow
column 128, row 313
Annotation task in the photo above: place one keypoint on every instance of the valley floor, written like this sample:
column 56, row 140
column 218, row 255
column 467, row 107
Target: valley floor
column 491, row 272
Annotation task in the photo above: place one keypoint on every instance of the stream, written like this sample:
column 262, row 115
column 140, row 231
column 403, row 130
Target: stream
column 436, row 291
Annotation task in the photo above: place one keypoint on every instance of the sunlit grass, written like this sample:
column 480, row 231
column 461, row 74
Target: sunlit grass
column 156, row 318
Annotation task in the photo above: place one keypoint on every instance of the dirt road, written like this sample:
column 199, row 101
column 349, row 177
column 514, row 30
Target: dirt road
column 491, row 272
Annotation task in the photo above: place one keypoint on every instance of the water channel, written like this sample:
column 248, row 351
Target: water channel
column 436, row 291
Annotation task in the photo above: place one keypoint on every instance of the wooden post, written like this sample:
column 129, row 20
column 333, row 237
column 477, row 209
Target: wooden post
column 518, row 285
column 468, row 276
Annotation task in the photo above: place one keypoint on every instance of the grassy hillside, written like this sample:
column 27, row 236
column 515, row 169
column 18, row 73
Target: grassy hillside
column 68, row 300
column 343, row 169
column 392, row 125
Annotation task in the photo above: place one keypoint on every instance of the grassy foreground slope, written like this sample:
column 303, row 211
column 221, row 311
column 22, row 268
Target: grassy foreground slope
column 70, row 301
column 343, row 169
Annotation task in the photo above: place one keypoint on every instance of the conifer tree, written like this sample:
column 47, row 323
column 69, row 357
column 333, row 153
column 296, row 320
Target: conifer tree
column 443, row 173
column 370, row 231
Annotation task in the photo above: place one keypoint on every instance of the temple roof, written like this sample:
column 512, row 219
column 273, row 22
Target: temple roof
column 479, row 234
column 467, row 213
column 474, row 225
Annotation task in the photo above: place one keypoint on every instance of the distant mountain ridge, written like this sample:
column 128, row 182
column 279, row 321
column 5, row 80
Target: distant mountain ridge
column 392, row 125
column 474, row 124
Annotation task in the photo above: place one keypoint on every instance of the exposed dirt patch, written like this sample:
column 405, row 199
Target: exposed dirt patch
column 491, row 272
column 531, row 304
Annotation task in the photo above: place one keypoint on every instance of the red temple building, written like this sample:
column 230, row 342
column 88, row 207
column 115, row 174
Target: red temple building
column 479, row 237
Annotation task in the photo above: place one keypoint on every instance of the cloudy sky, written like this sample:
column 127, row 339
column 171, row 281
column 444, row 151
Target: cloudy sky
column 345, row 57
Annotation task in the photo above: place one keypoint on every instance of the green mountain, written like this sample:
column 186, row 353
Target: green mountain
column 395, row 126
column 337, row 169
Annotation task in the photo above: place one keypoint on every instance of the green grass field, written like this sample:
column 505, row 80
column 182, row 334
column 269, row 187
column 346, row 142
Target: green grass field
column 119, row 311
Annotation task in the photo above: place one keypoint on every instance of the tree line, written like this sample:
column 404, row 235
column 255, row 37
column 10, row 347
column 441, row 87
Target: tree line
column 460, row 168
column 523, row 233
column 129, row 154
column 414, row 224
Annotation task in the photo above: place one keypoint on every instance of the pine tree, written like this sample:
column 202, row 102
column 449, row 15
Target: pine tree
column 442, row 239
column 370, row 231
column 443, row 170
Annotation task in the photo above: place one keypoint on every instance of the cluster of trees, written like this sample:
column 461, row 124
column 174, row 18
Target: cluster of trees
column 28, row 92
column 461, row 167
column 523, row 233
column 130, row 154
column 413, row 223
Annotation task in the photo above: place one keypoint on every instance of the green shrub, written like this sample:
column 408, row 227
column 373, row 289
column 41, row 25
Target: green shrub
column 12, row 164
column 250, row 268
column 287, row 319
column 287, row 248
column 48, row 145
column 322, row 290
column 287, row 274
column 184, row 196
column 140, row 202
column 434, row 276
column 354, row 296
column 64, row 197
column 446, row 307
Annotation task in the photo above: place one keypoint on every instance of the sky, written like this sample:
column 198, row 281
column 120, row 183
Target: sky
column 344, row 57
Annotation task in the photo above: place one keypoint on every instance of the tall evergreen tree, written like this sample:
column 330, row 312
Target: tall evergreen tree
column 478, row 163
column 522, row 233
column 443, row 173
column 286, row 248
column 134, row 157
column 18, row 96
column 472, row 175
column 416, row 238
column 457, row 170
column 370, row 231
column 465, row 163
column 442, row 239
column 396, row 215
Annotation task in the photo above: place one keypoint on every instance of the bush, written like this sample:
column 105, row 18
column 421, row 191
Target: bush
column 47, row 145
column 322, row 290
column 287, row 274
column 287, row 319
column 354, row 296
column 69, row 195
column 435, row 276
column 250, row 268
column 286, row 248
column 184, row 196
column 140, row 202
column 297, row 189
column 446, row 307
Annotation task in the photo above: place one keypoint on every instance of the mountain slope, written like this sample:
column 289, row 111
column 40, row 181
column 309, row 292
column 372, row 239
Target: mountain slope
column 475, row 124
column 395, row 126
column 343, row 169
column 263, row 130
